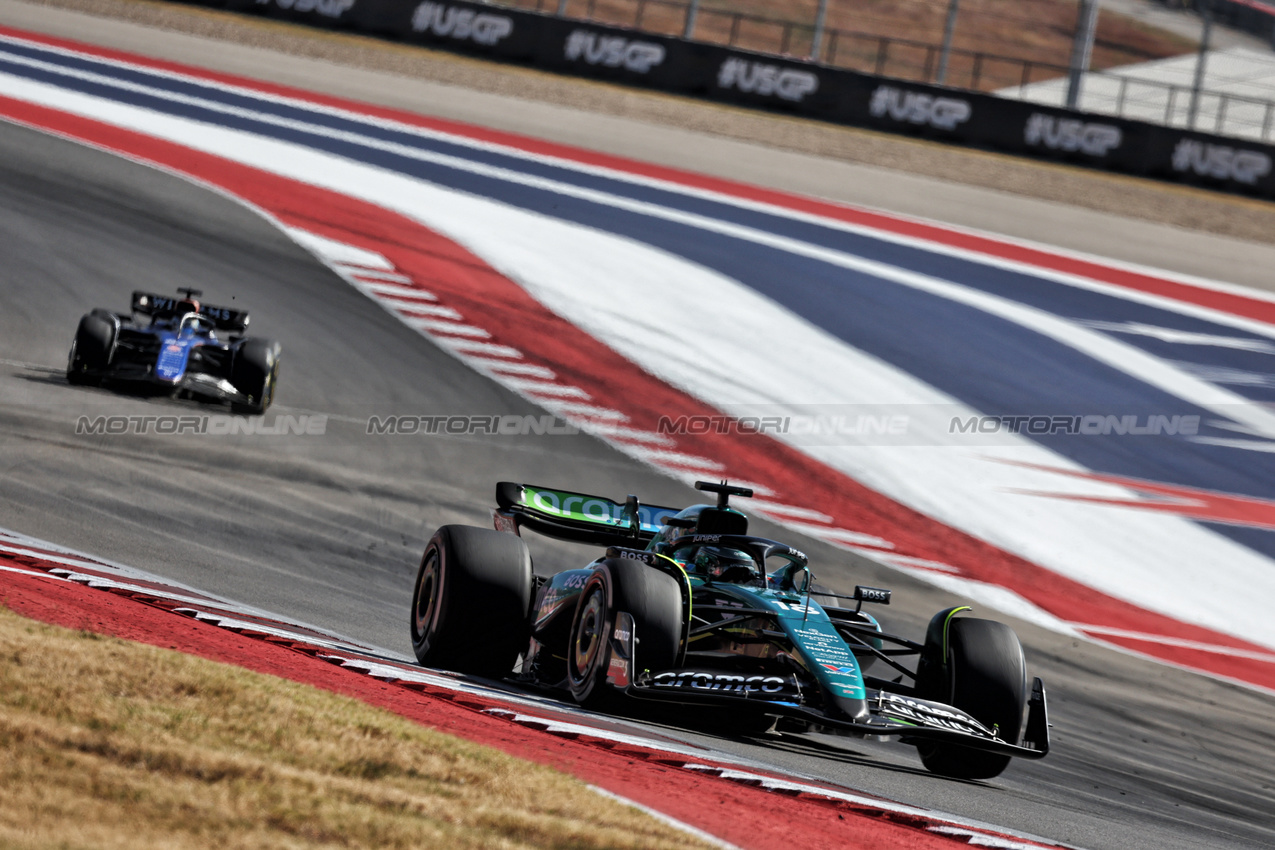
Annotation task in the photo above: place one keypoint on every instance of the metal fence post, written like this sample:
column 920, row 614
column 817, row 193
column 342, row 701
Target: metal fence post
column 692, row 12
column 816, row 41
column 949, row 29
column 1081, row 49
column 1206, row 12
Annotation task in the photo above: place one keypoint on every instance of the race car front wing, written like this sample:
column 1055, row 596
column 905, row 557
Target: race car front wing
column 890, row 714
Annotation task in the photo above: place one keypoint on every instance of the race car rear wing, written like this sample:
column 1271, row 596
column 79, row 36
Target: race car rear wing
column 577, row 517
column 223, row 318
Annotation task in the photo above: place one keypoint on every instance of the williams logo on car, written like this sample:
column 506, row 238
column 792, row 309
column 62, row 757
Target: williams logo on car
column 1071, row 135
column 326, row 8
column 911, row 107
column 1225, row 163
column 613, row 51
column 768, row 80
column 461, row 24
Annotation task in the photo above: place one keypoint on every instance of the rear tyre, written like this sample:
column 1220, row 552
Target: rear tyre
column 255, row 370
column 90, row 351
column 470, row 606
column 651, row 597
column 987, row 678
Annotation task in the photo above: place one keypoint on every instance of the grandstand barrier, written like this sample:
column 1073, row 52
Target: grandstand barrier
column 781, row 84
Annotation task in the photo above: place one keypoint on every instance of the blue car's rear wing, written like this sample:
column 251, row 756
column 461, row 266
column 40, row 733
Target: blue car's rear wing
column 577, row 517
column 223, row 318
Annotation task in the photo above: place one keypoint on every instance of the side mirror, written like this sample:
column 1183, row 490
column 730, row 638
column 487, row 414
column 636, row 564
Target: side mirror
column 793, row 577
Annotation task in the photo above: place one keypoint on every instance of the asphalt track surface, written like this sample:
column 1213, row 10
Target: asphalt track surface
column 328, row 529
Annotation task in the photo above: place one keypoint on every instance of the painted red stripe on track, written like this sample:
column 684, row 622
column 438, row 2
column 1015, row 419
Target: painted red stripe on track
column 466, row 283
column 1234, row 303
column 740, row 814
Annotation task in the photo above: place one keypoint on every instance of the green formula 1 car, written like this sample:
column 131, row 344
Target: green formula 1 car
column 685, row 606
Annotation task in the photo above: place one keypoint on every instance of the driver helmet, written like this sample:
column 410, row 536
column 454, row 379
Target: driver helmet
column 669, row 534
column 720, row 563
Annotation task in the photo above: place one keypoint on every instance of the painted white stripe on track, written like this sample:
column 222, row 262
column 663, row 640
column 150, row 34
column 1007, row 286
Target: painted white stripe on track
column 1169, row 640
column 789, row 512
column 619, row 432
column 706, row 837
column 465, row 346
column 395, row 294
column 584, row 412
column 1129, row 359
column 369, row 276
column 450, row 328
column 539, row 388
column 605, row 285
column 409, row 311
column 339, row 253
column 526, row 369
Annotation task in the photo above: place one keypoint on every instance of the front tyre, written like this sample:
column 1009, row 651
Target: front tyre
column 91, row 351
column 987, row 678
column 651, row 597
column 470, row 605
column 254, row 373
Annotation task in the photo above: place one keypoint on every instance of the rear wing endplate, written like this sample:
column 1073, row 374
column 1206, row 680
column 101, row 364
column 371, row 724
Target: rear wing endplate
column 577, row 517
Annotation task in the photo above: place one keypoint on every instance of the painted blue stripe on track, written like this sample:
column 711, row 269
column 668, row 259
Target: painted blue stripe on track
column 1003, row 368
column 1046, row 295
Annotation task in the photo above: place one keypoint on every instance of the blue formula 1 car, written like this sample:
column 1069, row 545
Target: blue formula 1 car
column 686, row 607
column 181, row 346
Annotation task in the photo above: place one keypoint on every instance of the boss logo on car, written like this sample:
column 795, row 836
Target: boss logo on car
column 719, row 682
column 461, row 24
column 872, row 594
column 613, row 51
column 1225, row 163
column 633, row 555
column 1070, row 135
column 327, row 8
column 769, row 80
column 918, row 108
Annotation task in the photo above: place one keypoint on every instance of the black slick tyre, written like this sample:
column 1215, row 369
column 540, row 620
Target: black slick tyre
column 651, row 597
column 471, row 600
column 987, row 678
column 91, row 351
column 253, row 373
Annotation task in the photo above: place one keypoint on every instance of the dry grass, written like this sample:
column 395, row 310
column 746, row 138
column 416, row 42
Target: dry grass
column 111, row 744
